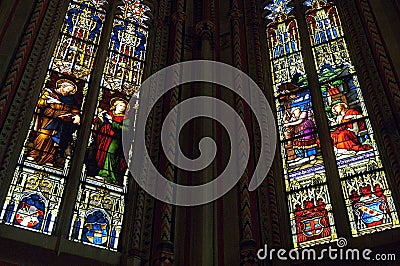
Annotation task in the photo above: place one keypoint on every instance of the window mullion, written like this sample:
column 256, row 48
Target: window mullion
column 332, row 173
column 71, row 189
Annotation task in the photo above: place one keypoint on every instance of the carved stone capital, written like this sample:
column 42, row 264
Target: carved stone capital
column 136, row 253
column 248, row 252
column 165, row 254
column 205, row 29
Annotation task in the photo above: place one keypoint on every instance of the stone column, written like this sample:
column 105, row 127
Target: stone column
column 164, row 254
column 247, row 243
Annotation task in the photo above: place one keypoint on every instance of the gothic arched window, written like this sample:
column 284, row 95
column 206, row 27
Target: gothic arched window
column 74, row 103
column 331, row 82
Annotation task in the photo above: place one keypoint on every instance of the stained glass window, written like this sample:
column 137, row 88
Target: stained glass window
column 367, row 194
column 43, row 168
column 38, row 183
column 368, row 198
column 304, row 172
column 99, row 209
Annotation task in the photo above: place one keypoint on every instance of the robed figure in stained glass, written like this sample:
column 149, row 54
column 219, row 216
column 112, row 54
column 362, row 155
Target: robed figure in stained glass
column 57, row 111
column 345, row 137
column 299, row 124
column 109, row 155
